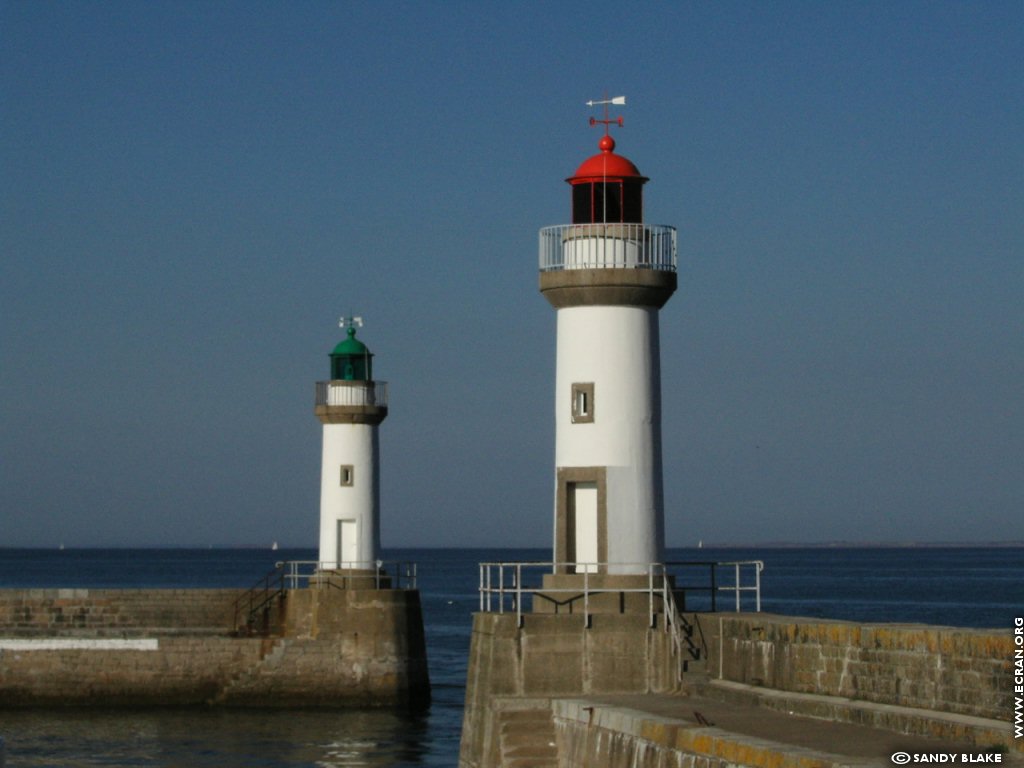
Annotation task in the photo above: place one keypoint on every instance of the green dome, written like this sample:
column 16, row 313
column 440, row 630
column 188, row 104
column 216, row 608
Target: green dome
column 351, row 360
column 351, row 345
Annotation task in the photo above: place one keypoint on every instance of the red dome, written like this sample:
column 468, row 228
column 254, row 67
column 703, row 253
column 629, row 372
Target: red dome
column 606, row 165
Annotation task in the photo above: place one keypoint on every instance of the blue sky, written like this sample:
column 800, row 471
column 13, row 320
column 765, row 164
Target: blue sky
column 195, row 192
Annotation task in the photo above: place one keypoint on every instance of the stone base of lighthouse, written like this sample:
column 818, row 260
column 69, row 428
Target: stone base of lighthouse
column 520, row 670
column 351, row 578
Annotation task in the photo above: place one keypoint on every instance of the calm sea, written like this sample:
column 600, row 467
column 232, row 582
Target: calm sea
column 971, row 587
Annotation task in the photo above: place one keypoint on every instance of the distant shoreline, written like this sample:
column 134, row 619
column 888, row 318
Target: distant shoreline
column 867, row 545
column 711, row 545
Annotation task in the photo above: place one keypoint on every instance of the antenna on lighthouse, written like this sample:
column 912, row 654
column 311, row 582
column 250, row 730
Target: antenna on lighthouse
column 350, row 322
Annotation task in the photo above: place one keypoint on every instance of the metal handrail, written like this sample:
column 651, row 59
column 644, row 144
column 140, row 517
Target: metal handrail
column 737, row 587
column 673, row 624
column 293, row 574
column 657, row 584
column 608, row 246
column 257, row 598
column 387, row 574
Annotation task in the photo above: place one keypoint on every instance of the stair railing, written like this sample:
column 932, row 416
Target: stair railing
column 252, row 607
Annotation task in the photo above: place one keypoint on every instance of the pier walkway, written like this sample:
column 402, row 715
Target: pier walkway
column 737, row 725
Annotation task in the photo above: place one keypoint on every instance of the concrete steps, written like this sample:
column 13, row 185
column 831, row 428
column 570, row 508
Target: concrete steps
column 528, row 739
column 694, row 669
column 693, row 662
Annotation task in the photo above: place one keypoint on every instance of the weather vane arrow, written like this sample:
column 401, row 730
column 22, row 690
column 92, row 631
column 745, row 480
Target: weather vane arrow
column 606, row 122
column 620, row 100
column 350, row 322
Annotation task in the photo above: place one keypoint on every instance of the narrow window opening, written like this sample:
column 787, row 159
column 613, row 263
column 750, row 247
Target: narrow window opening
column 582, row 403
column 346, row 474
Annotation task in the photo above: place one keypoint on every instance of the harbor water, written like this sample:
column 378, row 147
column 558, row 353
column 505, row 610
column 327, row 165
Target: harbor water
column 970, row 587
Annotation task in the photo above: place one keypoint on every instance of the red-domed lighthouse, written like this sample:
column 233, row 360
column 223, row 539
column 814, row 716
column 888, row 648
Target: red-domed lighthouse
column 597, row 621
column 607, row 274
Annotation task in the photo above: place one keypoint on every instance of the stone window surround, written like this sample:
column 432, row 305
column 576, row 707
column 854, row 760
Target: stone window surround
column 582, row 395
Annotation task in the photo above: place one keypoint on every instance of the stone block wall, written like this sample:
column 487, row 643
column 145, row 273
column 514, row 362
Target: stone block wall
column 114, row 612
column 558, row 655
column 964, row 671
column 175, row 671
column 331, row 647
column 363, row 647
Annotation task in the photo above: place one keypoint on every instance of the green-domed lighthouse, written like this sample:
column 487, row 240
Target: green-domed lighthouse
column 350, row 406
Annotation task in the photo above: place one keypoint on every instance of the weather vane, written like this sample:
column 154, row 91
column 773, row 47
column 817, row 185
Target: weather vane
column 607, row 122
column 350, row 322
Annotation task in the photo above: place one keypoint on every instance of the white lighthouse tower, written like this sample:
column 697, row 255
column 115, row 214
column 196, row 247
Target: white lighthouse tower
column 350, row 406
column 607, row 274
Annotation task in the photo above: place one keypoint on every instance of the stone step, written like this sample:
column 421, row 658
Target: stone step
column 532, row 739
column 535, row 752
column 525, row 720
column 533, row 744
column 520, row 721
column 694, row 667
column 527, row 739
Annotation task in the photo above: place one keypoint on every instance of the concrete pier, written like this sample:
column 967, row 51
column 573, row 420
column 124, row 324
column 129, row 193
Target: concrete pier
column 703, row 728
column 754, row 690
column 322, row 647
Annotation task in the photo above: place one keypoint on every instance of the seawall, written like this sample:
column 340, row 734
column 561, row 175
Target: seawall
column 115, row 612
column 322, row 647
column 756, row 690
column 962, row 671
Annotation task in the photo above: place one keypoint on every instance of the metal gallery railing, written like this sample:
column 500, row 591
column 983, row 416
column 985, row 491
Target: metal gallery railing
column 505, row 586
column 352, row 393
column 608, row 246
column 320, row 574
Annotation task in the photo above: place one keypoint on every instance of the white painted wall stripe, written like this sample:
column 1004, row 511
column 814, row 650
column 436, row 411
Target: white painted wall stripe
column 79, row 644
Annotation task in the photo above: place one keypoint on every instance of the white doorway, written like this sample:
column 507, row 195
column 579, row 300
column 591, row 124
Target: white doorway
column 583, row 500
column 348, row 544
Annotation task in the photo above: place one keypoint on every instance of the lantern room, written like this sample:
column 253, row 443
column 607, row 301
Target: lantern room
column 351, row 360
column 607, row 189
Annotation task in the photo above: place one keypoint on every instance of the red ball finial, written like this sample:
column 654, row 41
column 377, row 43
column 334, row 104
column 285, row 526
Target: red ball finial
column 606, row 144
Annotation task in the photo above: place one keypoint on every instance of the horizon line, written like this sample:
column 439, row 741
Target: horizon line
column 712, row 545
